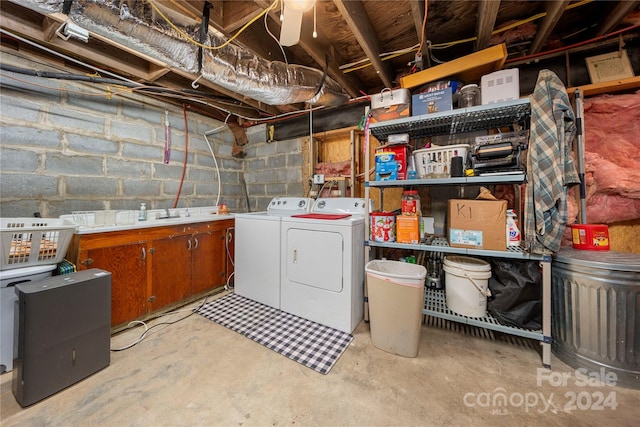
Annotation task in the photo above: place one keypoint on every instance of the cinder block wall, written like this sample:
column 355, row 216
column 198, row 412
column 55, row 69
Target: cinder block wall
column 66, row 146
column 271, row 168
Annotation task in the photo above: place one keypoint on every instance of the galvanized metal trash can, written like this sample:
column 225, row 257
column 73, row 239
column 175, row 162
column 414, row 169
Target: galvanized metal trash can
column 595, row 306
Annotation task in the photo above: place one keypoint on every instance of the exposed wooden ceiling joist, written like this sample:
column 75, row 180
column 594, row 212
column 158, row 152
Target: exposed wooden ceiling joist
column 356, row 16
column 352, row 34
column 487, row 14
column 622, row 9
column 417, row 13
column 555, row 9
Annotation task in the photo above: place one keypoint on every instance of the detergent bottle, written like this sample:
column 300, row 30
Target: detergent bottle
column 513, row 233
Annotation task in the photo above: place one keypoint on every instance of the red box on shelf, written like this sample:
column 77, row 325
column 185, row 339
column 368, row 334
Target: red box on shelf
column 402, row 152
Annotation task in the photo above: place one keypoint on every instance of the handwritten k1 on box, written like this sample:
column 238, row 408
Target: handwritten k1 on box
column 477, row 224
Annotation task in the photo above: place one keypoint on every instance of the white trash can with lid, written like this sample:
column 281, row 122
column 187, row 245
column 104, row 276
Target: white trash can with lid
column 396, row 299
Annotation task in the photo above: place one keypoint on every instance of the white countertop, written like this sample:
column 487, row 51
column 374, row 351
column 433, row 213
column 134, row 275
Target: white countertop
column 179, row 216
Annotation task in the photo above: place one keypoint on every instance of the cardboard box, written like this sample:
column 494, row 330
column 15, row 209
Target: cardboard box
column 477, row 224
column 408, row 229
column 432, row 102
column 401, row 153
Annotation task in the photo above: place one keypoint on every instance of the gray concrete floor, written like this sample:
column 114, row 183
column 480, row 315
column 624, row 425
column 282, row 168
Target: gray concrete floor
column 196, row 372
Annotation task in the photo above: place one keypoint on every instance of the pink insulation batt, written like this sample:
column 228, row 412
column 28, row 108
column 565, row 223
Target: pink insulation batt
column 612, row 158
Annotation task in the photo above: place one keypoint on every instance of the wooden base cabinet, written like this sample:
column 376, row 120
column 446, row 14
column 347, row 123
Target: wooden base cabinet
column 157, row 267
column 127, row 265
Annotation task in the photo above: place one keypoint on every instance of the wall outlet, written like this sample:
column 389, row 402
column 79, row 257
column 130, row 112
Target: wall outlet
column 318, row 179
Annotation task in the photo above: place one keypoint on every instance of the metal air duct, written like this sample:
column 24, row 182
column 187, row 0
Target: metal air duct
column 230, row 67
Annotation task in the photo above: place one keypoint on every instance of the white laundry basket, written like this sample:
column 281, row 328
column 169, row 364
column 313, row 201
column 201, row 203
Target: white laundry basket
column 396, row 298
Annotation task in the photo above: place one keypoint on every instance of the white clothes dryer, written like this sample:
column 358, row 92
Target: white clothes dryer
column 322, row 277
column 257, row 249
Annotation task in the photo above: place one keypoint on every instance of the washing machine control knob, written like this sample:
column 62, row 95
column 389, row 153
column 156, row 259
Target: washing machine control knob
column 321, row 204
column 302, row 204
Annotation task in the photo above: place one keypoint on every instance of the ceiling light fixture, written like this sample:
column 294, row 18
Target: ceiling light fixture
column 291, row 17
column 299, row 5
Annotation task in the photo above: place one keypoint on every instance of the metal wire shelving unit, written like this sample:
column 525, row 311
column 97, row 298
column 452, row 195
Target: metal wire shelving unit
column 482, row 117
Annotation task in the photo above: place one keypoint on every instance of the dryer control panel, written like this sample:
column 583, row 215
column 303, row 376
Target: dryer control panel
column 351, row 205
column 290, row 204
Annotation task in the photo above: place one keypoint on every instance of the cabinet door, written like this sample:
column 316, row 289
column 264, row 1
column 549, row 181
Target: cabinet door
column 127, row 264
column 170, row 271
column 209, row 259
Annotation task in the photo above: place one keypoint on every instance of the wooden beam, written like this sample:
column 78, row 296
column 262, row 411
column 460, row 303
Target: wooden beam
column 237, row 13
column 355, row 15
column 417, row 12
column 185, row 8
column 622, row 9
column 607, row 87
column 487, row 14
column 555, row 9
column 49, row 28
column 468, row 68
column 156, row 71
column 580, row 49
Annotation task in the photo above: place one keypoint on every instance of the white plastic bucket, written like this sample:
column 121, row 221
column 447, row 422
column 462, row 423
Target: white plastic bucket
column 467, row 285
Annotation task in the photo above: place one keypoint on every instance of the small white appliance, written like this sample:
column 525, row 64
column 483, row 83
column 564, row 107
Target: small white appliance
column 322, row 276
column 257, row 249
column 8, row 300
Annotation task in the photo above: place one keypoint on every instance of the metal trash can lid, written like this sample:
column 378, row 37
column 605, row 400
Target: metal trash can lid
column 610, row 260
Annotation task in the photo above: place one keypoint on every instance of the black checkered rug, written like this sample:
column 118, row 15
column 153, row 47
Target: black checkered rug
column 314, row 345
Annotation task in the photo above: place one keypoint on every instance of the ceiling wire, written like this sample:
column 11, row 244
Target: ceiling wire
column 197, row 43
column 276, row 117
column 424, row 25
column 266, row 27
column 61, row 55
column 165, row 93
column 156, row 90
column 394, row 52
column 560, row 49
column 447, row 45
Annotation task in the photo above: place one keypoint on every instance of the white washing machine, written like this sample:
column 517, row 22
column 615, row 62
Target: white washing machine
column 323, row 263
column 257, row 249
column 8, row 301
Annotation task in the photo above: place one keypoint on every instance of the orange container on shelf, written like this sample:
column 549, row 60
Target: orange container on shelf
column 591, row 237
column 408, row 229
